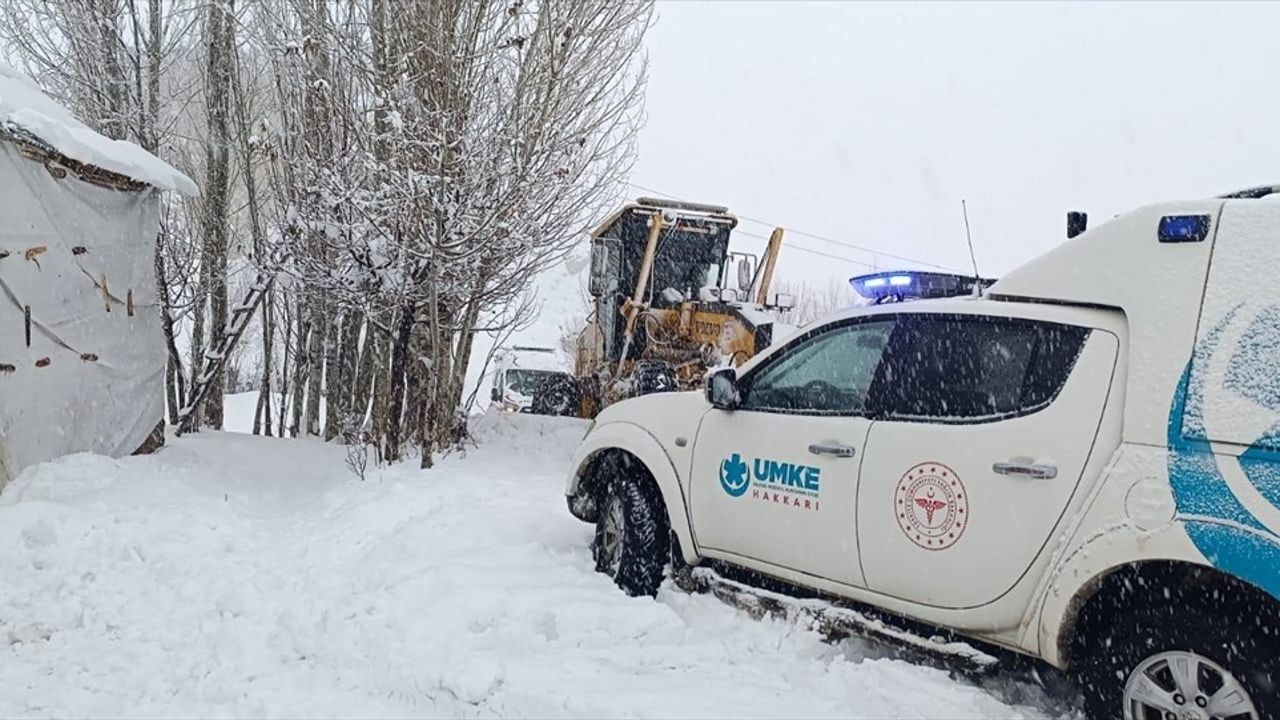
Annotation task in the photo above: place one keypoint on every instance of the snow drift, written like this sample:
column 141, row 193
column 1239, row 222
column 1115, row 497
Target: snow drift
column 238, row 576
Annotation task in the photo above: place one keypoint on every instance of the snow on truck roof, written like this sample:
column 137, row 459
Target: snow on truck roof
column 529, row 358
column 25, row 107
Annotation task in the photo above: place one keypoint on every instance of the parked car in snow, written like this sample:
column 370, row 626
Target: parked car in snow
column 1081, row 465
column 533, row 380
column 517, row 388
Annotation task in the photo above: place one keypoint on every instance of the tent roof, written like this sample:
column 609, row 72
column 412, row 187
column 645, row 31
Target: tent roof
column 23, row 106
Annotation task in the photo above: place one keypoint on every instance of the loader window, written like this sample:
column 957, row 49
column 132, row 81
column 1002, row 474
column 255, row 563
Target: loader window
column 827, row 374
column 686, row 262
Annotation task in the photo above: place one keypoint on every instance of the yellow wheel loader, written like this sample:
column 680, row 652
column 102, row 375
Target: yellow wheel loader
column 671, row 301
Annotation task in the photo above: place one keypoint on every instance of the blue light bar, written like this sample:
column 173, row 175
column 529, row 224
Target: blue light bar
column 911, row 285
column 1183, row 228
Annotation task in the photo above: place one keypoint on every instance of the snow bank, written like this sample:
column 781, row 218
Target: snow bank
column 24, row 105
column 236, row 576
column 239, row 409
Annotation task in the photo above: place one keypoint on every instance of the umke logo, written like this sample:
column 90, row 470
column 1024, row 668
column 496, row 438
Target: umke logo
column 781, row 483
column 734, row 477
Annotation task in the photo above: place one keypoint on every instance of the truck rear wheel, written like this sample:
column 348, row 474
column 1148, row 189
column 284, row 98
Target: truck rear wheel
column 1161, row 663
column 631, row 543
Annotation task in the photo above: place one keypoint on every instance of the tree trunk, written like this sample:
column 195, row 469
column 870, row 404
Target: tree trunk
column 175, row 383
column 315, row 367
column 344, row 417
column 172, row 399
column 462, row 356
column 439, row 415
column 381, row 391
column 302, row 319
column 175, row 392
column 268, row 342
column 417, row 375
column 335, row 404
column 198, row 331
column 217, row 190
column 395, row 386
column 107, row 17
column 154, row 69
column 362, row 381
column 262, row 412
column 284, row 366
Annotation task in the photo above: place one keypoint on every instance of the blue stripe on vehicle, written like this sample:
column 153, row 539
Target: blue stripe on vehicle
column 1249, row 556
column 1198, row 485
column 1232, row 539
column 1261, row 464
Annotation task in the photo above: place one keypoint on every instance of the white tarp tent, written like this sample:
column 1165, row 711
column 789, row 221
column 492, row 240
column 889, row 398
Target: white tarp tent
column 82, row 354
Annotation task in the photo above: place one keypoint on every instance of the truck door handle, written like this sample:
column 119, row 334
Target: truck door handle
column 833, row 449
column 1046, row 471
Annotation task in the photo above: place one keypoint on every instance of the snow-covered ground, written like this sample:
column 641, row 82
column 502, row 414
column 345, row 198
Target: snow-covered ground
column 230, row 575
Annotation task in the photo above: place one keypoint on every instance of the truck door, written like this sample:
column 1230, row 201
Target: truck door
column 774, row 482
column 984, row 428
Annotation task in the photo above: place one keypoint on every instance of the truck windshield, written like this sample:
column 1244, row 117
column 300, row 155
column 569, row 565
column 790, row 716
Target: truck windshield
column 528, row 382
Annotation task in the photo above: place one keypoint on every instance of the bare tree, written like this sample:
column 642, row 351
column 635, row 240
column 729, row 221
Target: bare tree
column 418, row 163
column 219, row 36
column 428, row 168
column 814, row 301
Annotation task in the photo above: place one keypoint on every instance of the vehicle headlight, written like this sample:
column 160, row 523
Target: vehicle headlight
column 508, row 406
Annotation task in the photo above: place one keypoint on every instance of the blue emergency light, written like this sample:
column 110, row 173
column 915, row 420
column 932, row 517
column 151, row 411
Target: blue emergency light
column 1183, row 228
column 912, row 285
column 886, row 280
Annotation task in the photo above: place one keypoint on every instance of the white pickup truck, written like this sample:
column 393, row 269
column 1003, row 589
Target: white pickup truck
column 1081, row 465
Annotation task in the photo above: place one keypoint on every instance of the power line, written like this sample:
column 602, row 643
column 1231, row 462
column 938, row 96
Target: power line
column 787, row 246
column 815, row 236
column 801, row 248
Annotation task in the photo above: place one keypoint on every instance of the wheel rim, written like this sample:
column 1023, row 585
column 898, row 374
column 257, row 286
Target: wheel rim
column 1182, row 685
column 611, row 540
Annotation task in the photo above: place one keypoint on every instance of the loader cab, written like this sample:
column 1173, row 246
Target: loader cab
column 691, row 257
column 692, row 251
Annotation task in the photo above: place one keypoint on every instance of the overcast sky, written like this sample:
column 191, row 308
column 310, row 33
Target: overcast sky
column 869, row 123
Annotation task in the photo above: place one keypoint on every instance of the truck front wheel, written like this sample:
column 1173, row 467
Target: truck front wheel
column 631, row 543
column 1158, row 663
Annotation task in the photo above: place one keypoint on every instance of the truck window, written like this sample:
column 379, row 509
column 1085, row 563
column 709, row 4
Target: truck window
column 528, row 382
column 826, row 374
column 973, row 368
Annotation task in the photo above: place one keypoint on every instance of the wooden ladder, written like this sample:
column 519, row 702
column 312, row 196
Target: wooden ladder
column 214, row 361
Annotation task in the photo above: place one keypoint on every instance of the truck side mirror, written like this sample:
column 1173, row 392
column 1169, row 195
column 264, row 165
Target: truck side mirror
column 722, row 389
column 746, row 273
column 495, row 395
column 784, row 301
